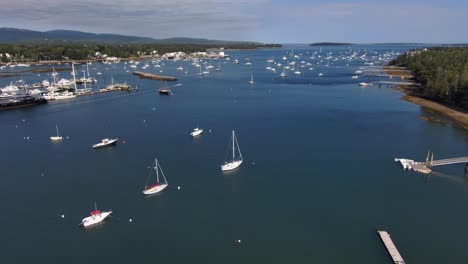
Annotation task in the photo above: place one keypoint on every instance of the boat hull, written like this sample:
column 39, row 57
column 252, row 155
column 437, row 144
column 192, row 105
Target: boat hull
column 196, row 133
column 231, row 165
column 55, row 138
column 103, row 145
column 95, row 219
column 155, row 189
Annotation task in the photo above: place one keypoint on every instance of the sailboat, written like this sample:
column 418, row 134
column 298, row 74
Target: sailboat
column 165, row 89
column 58, row 137
column 235, row 161
column 196, row 131
column 251, row 79
column 95, row 217
column 219, row 67
column 158, row 186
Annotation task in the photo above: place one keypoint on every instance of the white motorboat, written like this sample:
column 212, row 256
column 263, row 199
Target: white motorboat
column 95, row 217
column 197, row 131
column 158, row 186
column 235, row 161
column 364, row 84
column 105, row 143
column 58, row 137
column 63, row 95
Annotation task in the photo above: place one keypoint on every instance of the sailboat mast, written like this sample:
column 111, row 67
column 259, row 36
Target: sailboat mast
column 233, row 146
column 56, row 127
column 157, row 171
column 73, row 73
column 87, row 69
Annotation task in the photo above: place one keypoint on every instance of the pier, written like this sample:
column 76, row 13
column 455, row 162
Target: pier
column 151, row 76
column 426, row 166
column 391, row 248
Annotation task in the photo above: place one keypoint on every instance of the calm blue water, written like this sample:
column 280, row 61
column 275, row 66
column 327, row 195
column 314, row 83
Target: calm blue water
column 318, row 177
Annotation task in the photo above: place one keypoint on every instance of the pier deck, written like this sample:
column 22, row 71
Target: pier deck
column 391, row 248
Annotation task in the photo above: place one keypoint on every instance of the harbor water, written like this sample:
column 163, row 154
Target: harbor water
column 318, row 178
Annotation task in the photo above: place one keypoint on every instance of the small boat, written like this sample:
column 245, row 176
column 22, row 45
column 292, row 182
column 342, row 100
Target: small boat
column 165, row 89
column 95, row 217
column 321, row 74
column 364, row 84
column 105, row 143
column 355, row 77
column 235, row 161
column 158, row 186
column 196, row 131
column 58, row 137
column 251, row 79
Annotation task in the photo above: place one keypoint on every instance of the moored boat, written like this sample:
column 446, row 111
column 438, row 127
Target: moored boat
column 105, row 143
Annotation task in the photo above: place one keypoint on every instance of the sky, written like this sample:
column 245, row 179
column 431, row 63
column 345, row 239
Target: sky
column 269, row 21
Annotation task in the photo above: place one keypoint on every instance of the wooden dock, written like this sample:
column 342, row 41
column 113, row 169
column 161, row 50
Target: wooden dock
column 146, row 75
column 391, row 248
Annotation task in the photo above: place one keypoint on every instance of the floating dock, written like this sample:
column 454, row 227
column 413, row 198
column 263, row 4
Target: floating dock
column 391, row 248
column 151, row 76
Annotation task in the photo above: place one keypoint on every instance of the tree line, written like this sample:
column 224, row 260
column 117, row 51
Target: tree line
column 442, row 71
column 75, row 51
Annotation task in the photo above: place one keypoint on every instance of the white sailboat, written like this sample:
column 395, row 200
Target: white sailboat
column 58, row 137
column 196, row 131
column 235, row 161
column 95, row 217
column 158, row 186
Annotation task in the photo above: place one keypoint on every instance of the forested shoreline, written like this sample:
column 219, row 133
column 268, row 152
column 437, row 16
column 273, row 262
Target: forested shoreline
column 442, row 72
column 75, row 51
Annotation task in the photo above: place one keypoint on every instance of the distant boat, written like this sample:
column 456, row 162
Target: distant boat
column 196, row 131
column 95, row 217
column 364, row 84
column 105, row 143
column 321, row 74
column 251, row 79
column 58, row 137
column 219, row 67
column 165, row 89
column 235, row 161
column 158, row 186
column 354, row 76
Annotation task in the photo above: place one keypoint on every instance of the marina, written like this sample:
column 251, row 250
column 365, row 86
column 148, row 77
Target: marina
column 298, row 133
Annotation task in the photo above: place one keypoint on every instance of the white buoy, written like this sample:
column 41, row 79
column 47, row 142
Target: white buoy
column 238, row 241
column 210, row 130
column 63, row 216
column 130, row 220
column 253, row 163
column 178, row 187
column 27, row 138
column 68, row 137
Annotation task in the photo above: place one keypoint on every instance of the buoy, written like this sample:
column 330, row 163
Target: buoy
column 68, row 137
column 178, row 187
column 27, row 138
column 130, row 220
column 63, row 216
column 42, row 174
column 253, row 163
column 154, row 109
column 238, row 241
column 123, row 141
column 210, row 130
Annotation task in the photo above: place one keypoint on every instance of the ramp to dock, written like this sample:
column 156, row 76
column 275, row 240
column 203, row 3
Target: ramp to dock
column 391, row 248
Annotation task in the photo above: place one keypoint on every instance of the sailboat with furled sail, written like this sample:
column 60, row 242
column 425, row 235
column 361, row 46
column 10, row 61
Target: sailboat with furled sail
column 165, row 89
column 58, row 137
column 158, row 186
column 235, row 161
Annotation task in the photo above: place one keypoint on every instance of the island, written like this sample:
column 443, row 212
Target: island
column 330, row 44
